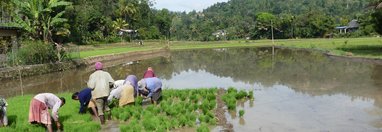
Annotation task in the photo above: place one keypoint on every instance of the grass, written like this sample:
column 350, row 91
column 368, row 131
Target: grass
column 369, row 47
column 71, row 120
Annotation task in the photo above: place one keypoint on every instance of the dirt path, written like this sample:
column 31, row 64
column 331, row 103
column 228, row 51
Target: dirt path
column 220, row 112
column 110, row 126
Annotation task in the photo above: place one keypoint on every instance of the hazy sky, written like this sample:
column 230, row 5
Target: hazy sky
column 185, row 5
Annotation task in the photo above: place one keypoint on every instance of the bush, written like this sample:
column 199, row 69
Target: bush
column 38, row 53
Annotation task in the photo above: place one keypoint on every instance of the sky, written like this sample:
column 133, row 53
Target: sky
column 185, row 5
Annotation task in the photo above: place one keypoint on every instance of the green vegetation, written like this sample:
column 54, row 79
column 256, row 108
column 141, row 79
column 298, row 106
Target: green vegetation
column 18, row 109
column 171, row 113
column 203, row 128
column 241, row 113
column 67, row 21
column 232, row 95
column 36, row 52
column 254, row 19
column 362, row 47
column 177, row 109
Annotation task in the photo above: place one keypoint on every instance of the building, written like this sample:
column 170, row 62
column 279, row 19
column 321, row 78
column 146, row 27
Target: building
column 220, row 34
column 9, row 34
column 352, row 26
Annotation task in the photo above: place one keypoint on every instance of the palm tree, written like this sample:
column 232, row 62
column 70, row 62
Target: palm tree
column 119, row 24
column 127, row 10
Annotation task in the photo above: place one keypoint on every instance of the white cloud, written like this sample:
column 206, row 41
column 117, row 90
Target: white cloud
column 185, row 5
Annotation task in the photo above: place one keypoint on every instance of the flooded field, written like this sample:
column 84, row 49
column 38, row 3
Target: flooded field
column 294, row 90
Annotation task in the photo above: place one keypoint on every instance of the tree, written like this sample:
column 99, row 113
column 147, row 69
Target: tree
column 41, row 17
column 127, row 10
column 377, row 15
column 119, row 24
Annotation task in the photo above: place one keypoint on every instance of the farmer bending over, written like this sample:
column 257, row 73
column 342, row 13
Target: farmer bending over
column 149, row 73
column 124, row 93
column 38, row 110
column 3, row 112
column 86, row 101
column 151, row 88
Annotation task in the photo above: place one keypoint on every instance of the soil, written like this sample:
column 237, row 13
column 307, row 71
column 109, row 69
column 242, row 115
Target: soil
column 110, row 126
column 220, row 112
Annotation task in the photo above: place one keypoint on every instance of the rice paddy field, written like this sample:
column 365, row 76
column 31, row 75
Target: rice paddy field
column 187, row 108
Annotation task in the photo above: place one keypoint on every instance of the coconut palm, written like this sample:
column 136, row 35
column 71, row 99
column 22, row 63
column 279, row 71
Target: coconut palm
column 127, row 10
column 119, row 24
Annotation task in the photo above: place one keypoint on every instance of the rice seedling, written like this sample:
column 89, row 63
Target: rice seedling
column 211, row 96
column 182, row 120
column 202, row 118
column 138, row 101
column 212, row 104
column 203, row 128
column 178, row 108
column 194, row 98
column 232, row 90
column 132, row 126
column 71, row 120
column 241, row 94
column 150, row 122
column 250, row 95
column 241, row 113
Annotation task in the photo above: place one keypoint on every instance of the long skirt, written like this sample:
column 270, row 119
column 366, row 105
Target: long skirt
column 38, row 112
column 127, row 95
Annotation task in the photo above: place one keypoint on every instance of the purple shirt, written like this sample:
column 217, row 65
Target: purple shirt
column 134, row 82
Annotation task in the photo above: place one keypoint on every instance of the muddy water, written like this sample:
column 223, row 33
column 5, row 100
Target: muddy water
column 294, row 90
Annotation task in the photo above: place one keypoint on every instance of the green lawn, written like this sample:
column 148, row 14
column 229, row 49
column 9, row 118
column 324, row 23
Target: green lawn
column 370, row 47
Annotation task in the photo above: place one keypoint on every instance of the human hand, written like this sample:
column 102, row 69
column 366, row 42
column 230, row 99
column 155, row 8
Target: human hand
column 58, row 124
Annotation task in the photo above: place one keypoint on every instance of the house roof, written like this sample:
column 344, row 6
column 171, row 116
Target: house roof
column 353, row 24
column 9, row 28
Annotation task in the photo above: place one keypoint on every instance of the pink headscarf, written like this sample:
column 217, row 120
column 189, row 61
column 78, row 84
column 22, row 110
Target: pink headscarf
column 98, row 66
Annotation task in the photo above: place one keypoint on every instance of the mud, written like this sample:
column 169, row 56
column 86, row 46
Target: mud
column 220, row 112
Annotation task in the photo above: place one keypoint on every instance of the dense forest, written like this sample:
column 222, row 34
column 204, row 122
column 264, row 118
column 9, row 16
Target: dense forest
column 254, row 19
column 101, row 21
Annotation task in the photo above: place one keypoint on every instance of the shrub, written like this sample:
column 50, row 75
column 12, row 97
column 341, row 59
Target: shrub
column 38, row 52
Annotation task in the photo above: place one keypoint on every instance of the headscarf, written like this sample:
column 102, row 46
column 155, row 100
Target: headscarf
column 98, row 66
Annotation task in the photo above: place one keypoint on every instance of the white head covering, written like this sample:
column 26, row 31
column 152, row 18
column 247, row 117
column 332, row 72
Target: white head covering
column 141, row 84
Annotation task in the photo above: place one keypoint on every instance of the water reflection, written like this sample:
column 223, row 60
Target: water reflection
column 294, row 90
